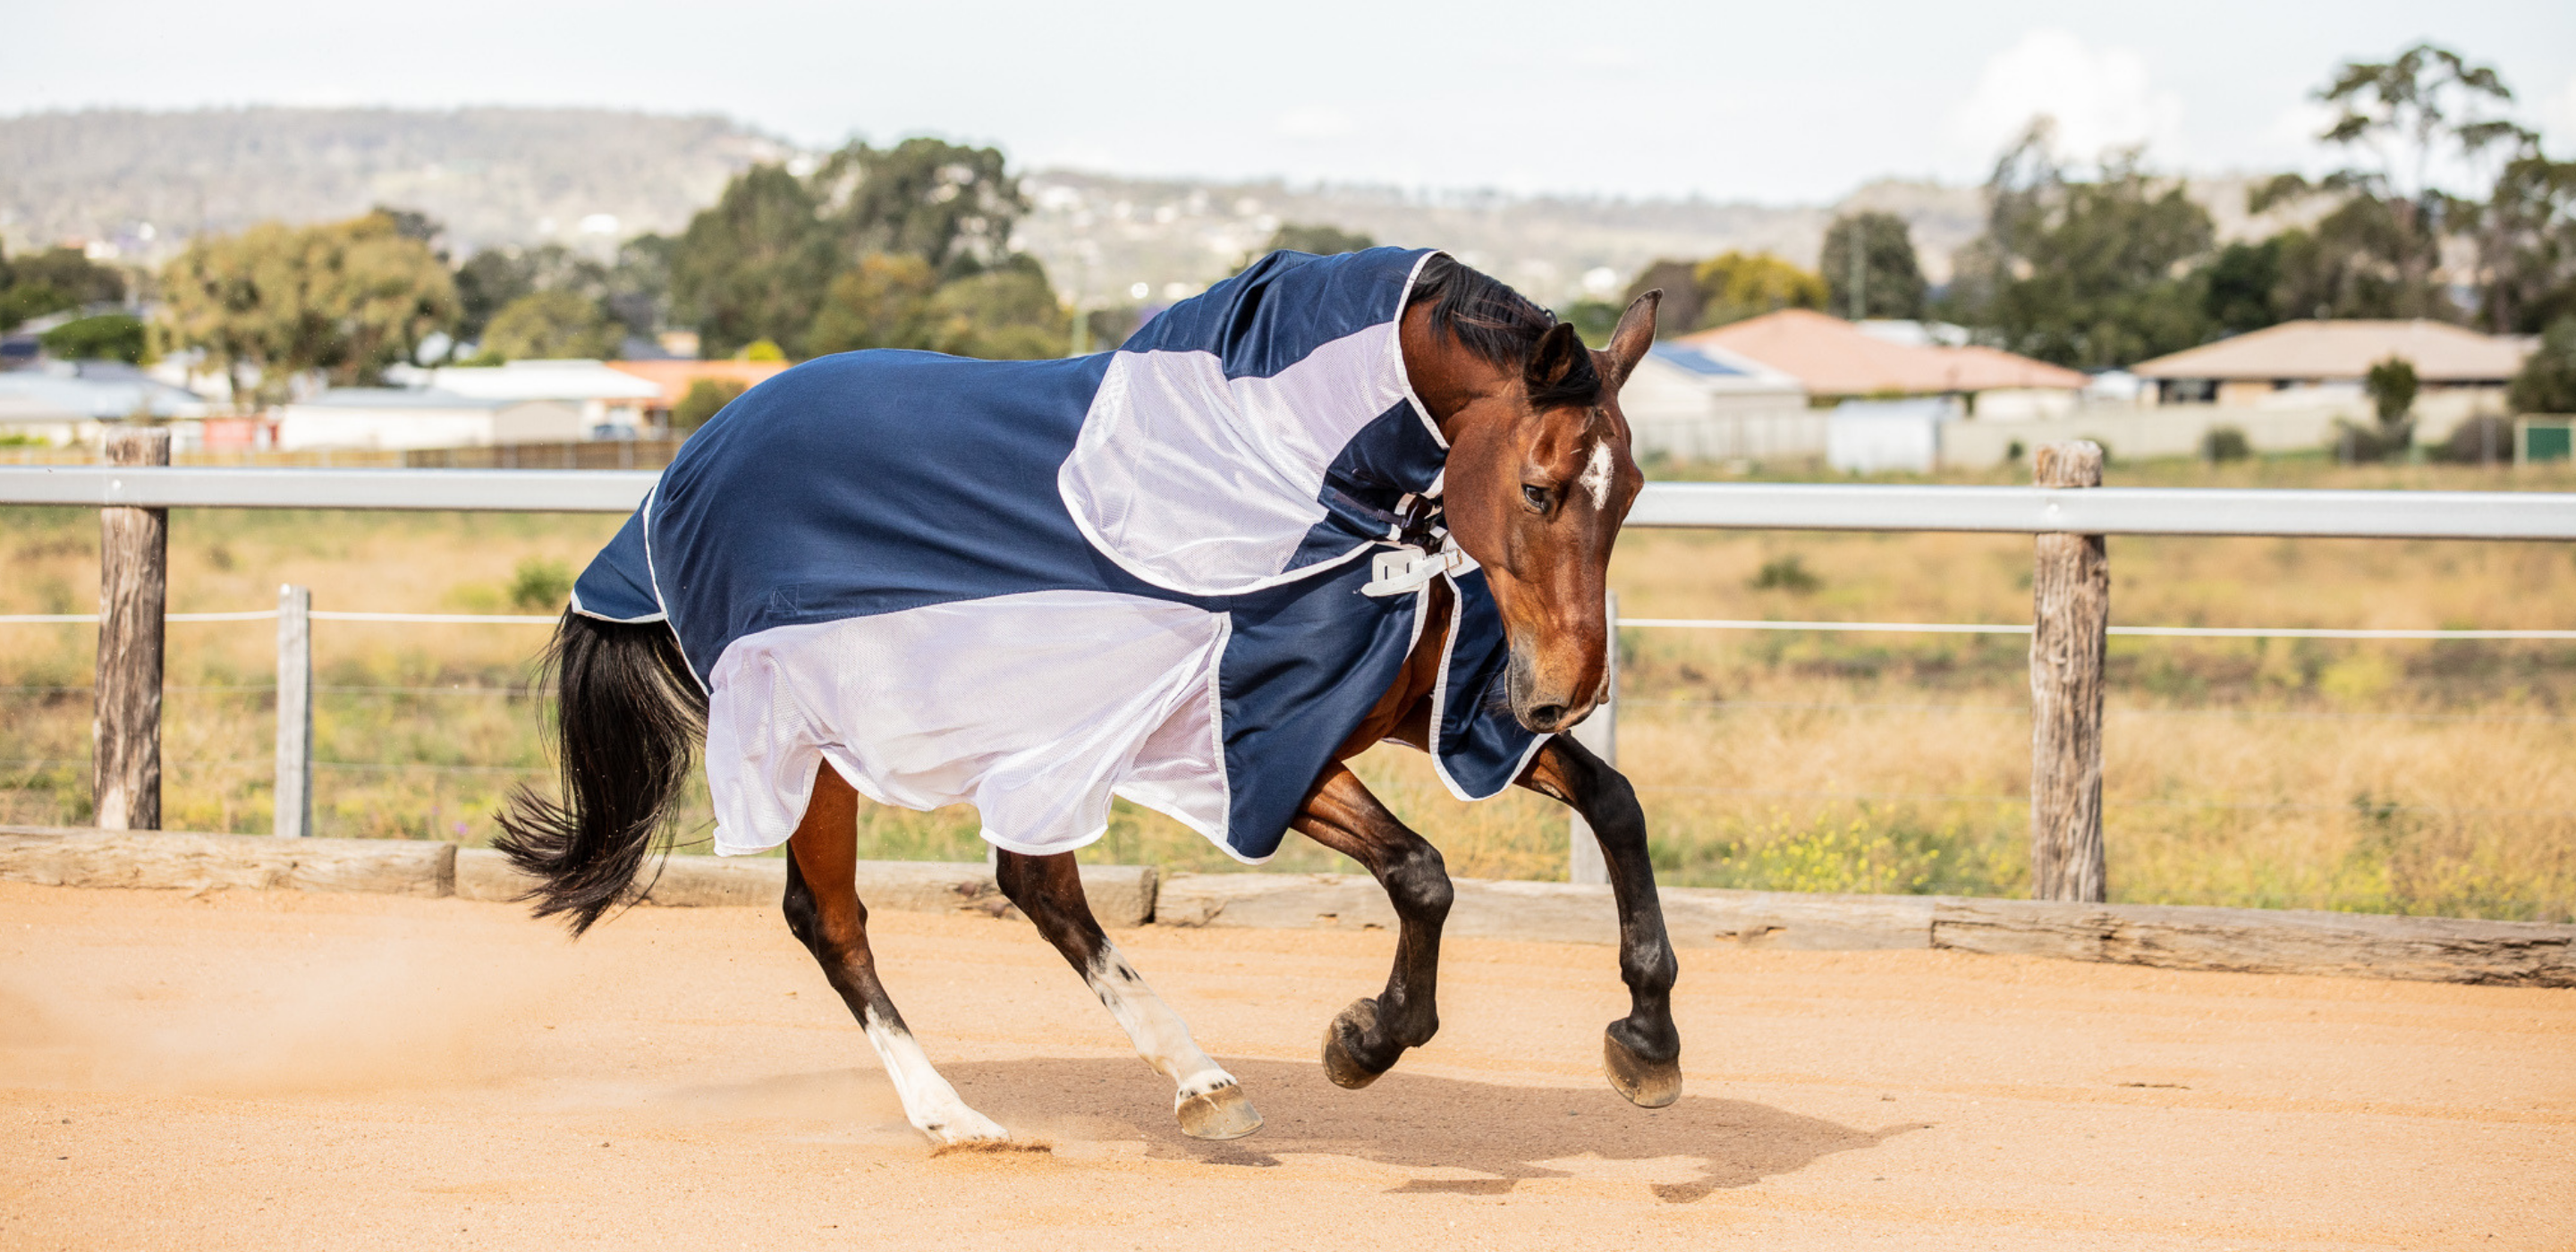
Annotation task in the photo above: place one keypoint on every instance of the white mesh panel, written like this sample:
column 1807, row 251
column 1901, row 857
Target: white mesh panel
column 1207, row 486
column 1029, row 707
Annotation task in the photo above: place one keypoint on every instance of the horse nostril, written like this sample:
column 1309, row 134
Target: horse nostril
column 1546, row 716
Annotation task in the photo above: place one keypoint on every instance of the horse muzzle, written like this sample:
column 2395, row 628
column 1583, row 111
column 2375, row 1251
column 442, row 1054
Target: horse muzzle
column 1543, row 707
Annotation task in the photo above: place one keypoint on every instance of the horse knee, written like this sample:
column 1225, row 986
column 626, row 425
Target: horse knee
column 1418, row 885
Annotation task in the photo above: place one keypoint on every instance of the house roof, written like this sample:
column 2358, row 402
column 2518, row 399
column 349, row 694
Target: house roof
column 2346, row 349
column 1720, row 368
column 89, row 390
column 1834, row 358
column 674, row 376
column 543, row 380
column 398, row 398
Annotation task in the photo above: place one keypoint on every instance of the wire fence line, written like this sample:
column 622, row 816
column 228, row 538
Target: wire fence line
column 1648, row 623
column 2154, row 632
column 2023, row 710
column 319, row 615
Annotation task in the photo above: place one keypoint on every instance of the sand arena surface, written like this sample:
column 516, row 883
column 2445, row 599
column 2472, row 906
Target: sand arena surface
column 276, row 1070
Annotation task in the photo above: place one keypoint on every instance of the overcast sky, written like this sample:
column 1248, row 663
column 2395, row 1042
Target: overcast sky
column 1775, row 102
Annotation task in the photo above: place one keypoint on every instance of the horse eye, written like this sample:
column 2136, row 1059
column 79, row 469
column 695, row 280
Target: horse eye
column 1537, row 497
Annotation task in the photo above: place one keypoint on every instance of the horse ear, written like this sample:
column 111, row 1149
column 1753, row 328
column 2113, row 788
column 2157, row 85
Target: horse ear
column 1636, row 333
column 1558, row 354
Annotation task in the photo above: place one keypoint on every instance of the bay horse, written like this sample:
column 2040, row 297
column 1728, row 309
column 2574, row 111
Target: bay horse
column 1532, row 480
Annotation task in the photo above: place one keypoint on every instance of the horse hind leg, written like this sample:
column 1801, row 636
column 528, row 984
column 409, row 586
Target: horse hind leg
column 1368, row 1037
column 824, row 913
column 1208, row 1101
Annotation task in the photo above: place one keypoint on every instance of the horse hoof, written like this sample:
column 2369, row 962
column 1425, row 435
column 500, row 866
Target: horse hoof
column 1341, row 1046
column 1225, row 1113
column 1646, row 1084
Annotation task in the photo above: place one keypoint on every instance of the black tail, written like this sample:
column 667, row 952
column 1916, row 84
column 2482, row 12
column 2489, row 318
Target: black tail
column 629, row 717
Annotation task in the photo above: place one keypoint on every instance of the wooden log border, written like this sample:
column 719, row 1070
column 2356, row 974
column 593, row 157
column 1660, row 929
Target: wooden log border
column 2265, row 941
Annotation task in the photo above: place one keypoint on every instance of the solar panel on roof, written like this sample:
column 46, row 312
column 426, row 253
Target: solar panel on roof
column 1695, row 361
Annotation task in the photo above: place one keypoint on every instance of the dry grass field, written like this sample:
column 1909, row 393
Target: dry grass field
column 2376, row 776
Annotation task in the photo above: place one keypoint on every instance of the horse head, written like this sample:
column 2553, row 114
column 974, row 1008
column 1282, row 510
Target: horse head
column 1539, row 477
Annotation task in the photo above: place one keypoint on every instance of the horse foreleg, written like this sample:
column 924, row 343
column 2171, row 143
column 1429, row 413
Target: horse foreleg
column 1207, row 1099
column 1365, row 1040
column 1642, row 1051
column 824, row 913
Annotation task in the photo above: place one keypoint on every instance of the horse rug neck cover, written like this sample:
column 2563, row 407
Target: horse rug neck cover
column 1032, row 585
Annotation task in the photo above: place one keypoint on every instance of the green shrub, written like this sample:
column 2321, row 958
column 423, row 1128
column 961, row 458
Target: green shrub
column 541, row 585
column 2479, row 441
column 706, row 397
column 2547, row 383
column 2225, row 443
column 1786, row 573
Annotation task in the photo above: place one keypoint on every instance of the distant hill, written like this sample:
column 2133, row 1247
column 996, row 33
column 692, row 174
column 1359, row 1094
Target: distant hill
column 506, row 177
column 494, row 176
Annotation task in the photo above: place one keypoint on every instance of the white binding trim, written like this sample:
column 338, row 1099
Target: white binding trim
column 653, row 578
column 1420, row 409
column 1440, row 707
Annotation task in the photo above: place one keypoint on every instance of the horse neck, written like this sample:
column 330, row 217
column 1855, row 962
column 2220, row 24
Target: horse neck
column 1446, row 377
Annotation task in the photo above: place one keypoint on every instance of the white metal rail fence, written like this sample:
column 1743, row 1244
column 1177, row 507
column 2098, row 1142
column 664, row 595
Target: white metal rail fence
column 2069, row 514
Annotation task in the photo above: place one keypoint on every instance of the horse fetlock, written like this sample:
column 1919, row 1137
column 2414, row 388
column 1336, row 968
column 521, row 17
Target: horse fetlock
column 1643, row 1069
column 1356, row 1051
column 1222, row 1112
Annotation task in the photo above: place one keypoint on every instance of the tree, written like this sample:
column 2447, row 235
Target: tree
column 106, row 337
column 1004, row 314
column 639, row 285
column 2088, row 273
column 755, row 265
column 2547, row 382
column 2412, row 116
column 276, row 301
column 762, row 263
column 2239, row 288
column 1734, row 286
column 1870, row 268
column 950, row 205
column 55, row 280
column 1679, row 312
column 2526, row 235
column 552, row 325
column 490, row 280
column 882, row 302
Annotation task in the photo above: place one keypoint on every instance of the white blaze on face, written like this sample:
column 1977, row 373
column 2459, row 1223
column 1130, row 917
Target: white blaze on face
column 1596, row 475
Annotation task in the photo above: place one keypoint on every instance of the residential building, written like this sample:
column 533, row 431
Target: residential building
column 2303, row 363
column 1831, row 357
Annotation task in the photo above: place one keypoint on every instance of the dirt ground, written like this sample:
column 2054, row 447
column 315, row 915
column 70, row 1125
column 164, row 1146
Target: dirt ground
column 288, row 1071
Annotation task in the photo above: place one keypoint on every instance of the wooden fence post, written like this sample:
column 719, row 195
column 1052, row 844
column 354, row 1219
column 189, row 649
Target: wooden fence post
column 1599, row 732
column 133, row 590
column 294, row 712
column 2071, row 617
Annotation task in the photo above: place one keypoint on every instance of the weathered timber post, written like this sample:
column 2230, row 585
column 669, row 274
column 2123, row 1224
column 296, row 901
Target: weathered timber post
column 294, row 712
column 2071, row 618
column 1599, row 732
column 133, row 590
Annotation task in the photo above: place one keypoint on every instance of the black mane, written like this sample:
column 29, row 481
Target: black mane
column 1499, row 325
